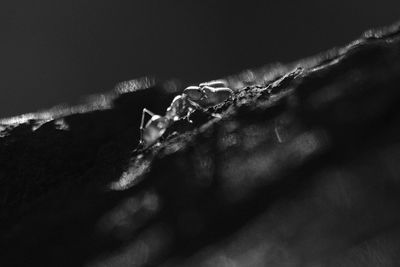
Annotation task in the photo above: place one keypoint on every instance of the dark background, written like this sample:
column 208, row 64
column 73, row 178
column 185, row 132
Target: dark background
column 55, row 51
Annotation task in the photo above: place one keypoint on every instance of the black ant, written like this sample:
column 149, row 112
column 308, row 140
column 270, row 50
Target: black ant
column 193, row 98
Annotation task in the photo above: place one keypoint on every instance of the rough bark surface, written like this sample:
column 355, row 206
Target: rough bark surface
column 300, row 170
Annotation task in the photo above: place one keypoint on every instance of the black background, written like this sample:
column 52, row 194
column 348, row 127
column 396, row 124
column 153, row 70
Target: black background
column 55, row 51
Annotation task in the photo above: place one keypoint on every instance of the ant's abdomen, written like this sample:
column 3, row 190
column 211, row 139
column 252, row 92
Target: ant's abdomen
column 154, row 129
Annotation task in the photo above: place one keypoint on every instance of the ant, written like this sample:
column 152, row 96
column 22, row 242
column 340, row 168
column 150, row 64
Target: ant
column 193, row 98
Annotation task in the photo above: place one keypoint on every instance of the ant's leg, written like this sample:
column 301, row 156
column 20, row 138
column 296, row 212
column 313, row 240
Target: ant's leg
column 212, row 114
column 188, row 116
column 190, row 111
column 216, row 115
column 144, row 112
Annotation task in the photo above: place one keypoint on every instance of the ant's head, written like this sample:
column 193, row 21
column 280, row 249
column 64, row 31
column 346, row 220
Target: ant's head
column 215, row 84
column 194, row 93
